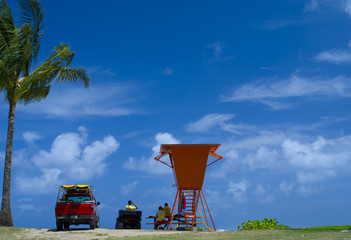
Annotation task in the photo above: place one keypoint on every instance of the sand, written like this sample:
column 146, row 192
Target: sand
column 82, row 233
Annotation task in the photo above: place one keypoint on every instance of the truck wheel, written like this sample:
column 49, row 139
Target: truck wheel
column 98, row 224
column 66, row 225
column 92, row 225
column 59, row 225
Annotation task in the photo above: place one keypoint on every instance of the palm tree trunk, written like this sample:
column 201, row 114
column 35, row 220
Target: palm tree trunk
column 5, row 214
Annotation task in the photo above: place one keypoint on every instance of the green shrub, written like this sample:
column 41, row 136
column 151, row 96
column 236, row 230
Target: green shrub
column 267, row 223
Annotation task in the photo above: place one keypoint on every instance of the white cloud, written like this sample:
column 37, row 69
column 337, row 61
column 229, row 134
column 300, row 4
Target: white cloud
column 216, row 52
column 69, row 158
column 101, row 71
column 65, row 150
column 321, row 154
column 160, row 193
column 163, row 138
column 311, row 6
column 30, row 137
column 39, row 185
column 149, row 164
column 168, row 71
column 311, row 162
column 217, row 48
column 268, row 68
column 286, row 187
column 309, row 190
column 229, row 163
column 237, row 129
column 314, row 177
column 263, row 158
column 28, row 206
column 219, row 121
column 130, row 187
column 276, row 105
column 263, row 193
column 20, row 159
column 272, row 93
column 252, row 143
column 335, row 56
column 24, row 200
column 249, row 153
column 318, row 161
column 347, row 7
column 109, row 101
column 209, row 121
column 267, row 199
column 238, row 190
column 279, row 23
column 259, row 190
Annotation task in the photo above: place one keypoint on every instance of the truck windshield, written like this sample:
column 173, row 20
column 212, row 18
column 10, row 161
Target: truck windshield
column 78, row 198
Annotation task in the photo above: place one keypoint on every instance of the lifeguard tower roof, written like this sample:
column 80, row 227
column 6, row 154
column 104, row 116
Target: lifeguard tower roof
column 189, row 162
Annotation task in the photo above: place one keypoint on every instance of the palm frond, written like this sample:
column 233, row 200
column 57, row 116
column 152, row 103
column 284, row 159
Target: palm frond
column 56, row 68
column 6, row 83
column 47, row 74
column 61, row 55
column 32, row 14
column 19, row 52
column 34, row 93
column 66, row 74
column 7, row 26
column 4, row 75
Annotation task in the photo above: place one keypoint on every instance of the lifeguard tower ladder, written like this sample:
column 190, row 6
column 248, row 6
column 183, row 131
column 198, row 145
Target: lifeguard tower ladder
column 189, row 163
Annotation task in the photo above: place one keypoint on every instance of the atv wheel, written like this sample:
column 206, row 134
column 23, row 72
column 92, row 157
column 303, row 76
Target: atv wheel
column 137, row 225
column 119, row 225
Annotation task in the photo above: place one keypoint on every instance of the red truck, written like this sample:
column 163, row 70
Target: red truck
column 76, row 205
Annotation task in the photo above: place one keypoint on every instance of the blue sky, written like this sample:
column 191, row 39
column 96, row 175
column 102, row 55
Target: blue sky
column 269, row 80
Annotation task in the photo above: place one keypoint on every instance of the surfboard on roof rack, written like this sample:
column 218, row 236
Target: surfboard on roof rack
column 77, row 187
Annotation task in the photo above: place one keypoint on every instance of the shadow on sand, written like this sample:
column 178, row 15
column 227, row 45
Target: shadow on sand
column 69, row 229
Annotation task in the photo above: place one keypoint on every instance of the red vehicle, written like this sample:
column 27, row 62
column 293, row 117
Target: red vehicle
column 76, row 205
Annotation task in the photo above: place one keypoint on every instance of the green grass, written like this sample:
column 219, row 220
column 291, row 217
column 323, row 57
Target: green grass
column 327, row 228
column 9, row 232
column 323, row 233
column 101, row 234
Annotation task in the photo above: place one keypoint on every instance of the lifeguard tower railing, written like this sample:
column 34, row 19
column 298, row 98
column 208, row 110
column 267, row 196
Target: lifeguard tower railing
column 189, row 163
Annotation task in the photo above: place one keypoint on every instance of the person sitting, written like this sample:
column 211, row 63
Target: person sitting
column 167, row 210
column 160, row 214
column 131, row 206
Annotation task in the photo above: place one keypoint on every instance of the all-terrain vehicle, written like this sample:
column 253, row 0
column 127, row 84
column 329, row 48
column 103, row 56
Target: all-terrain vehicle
column 128, row 219
column 76, row 205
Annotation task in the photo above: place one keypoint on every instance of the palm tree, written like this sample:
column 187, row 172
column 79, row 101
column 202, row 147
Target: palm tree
column 19, row 48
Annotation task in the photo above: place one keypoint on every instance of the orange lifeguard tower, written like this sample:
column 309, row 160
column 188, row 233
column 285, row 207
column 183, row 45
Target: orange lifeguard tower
column 189, row 163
